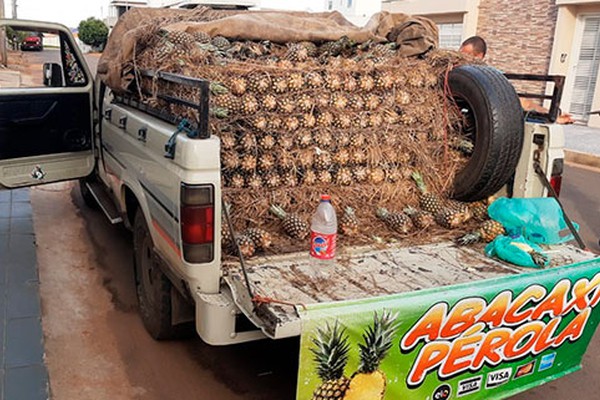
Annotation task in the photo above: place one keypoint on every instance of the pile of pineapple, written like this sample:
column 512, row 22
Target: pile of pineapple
column 296, row 120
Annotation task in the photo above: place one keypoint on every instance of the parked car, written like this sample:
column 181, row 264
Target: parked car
column 32, row 43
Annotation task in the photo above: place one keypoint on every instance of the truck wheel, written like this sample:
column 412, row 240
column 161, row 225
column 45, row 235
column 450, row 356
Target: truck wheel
column 153, row 287
column 87, row 196
column 492, row 109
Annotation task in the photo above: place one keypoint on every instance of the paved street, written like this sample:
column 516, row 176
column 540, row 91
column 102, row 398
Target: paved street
column 97, row 348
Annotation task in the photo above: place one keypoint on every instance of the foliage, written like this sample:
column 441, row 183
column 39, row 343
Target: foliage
column 93, row 32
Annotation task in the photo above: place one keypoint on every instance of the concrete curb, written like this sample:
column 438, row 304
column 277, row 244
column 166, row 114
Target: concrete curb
column 581, row 158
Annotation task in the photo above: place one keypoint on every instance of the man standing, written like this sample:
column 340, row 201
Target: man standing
column 476, row 47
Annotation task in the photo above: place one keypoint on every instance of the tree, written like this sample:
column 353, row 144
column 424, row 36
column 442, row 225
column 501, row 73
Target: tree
column 93, row 32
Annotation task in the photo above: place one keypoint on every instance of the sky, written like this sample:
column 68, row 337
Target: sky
column 71, row 12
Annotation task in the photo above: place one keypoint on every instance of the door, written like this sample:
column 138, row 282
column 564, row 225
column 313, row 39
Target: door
column 45, row 107
column 586, row 71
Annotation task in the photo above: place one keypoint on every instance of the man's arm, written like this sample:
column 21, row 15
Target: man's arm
column 529, row 105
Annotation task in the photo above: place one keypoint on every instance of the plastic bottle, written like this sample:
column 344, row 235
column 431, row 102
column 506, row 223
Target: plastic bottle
column 323, row 231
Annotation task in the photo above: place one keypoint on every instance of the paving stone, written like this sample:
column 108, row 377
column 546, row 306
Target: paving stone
column 30, row 382
column 20, row 210
column 2, row 327
column 23, row 343
column 4, row 225
column 20, row 226
column 23, row 300
column 5, row 196
column 19, row 195
column 4, row 210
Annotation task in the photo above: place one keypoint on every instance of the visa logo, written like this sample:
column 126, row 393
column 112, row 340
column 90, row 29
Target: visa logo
column 497, row 378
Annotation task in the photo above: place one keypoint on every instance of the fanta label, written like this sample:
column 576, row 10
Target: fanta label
column 322, row 246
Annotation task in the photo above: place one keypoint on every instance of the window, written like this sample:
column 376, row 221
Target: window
column 450, row 35
column 349, row 4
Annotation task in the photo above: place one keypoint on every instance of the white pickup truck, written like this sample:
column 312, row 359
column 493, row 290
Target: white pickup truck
column 73, row 128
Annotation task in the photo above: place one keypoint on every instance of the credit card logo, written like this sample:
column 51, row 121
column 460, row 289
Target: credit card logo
column 547, row 361
column 469, row 386
column 497, row 378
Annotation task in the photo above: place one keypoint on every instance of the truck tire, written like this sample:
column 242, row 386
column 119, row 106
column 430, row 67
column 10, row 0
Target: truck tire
column 152, row 286
column 489, row 101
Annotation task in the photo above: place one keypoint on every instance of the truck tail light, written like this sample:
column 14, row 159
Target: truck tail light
column 197, row 220
column 558, row 167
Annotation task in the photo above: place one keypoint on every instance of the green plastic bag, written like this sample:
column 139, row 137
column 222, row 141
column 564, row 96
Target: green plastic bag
column 517, row 251
column 539, row 220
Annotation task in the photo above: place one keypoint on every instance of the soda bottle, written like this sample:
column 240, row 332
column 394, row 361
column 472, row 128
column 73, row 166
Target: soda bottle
column 323, row 230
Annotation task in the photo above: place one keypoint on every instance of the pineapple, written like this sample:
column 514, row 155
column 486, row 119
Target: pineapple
column 343, row 121
column 421, row 219
column 333, row 81
column 314, row 80
column 266, row 162
column 339, row 101
column 237, row 181
column 272, row 179
column 311, row 48
column 342, row 157
column 369, row 382
column 375, row 120
column 322, row 100
column 344, row 177
column 249, row 105
column 290, row 179
column 295, row 81
column 324, row 177
column 246, row 246
column 322, row 160
column 349, row 223
column 228, row 140
column 395, row 221
column 226, row 237
column 275, row 122
column 304, row 139
column 305, row 103
column 293, row 224
column 402, row 98
column 238, row 85
column 280, row 84
column 201, row 37
column 359, row 156
column 260, row 122
column 372, row 102
column 291, row 123
column 254, row 181
column 357, row 139
column 267, row 142
column 269, row 102
column 366, row 83
column 305, row 158
column 307, row 121
column 376, row 175
column 286, row 105
column 350, row 84
column 325, row 119
column 180, row 38
column 462, row 209
column 262, row 239
column 286, row 141
column 486, row 232
column 248, row 142
column 228, row 102
column 357, row 103
column 230, row 161
column 297, row 52
column 309, row 177
column 427, row 201
column 449, row 218
column 259, row 83
column 360, row 174
column 323, row 139
column 248, row 163
column 220, row 42
column 479, row 210
column 384, row 80
column 330, row 352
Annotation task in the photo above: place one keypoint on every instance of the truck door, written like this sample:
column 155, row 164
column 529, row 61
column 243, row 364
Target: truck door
column 46, row 120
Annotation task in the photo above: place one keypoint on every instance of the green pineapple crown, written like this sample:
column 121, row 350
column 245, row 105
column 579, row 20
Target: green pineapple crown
column 349, row 211
column 377, row 341
column 410, row 211
column 278, row 211
column 418, row 178
column 330, row 351
column 382, row 212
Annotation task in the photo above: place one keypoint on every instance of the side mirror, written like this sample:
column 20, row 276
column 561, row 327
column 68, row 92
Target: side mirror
column 53, row 75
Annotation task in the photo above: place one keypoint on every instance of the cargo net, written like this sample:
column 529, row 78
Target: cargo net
column 354, row 121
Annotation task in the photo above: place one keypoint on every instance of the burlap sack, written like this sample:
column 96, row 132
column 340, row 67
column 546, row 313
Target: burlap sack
column 415, row 35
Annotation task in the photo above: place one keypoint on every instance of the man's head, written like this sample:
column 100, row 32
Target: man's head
column 474, row 46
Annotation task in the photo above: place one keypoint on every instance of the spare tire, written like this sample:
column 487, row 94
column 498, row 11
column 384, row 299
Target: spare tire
column 492, row 109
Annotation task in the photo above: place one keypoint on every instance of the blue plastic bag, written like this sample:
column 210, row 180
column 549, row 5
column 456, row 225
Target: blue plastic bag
column 539, row 220
column 517, row 251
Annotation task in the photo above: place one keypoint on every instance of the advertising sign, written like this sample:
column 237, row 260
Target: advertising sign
column 488, row 339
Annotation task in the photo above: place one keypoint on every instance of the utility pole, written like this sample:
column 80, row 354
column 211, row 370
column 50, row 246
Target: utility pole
column 14, row 9
column 3, row 56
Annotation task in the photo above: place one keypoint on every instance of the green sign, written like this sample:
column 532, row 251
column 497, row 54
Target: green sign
column 483, row 340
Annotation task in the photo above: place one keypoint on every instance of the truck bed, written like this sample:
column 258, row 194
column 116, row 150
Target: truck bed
column 295, row 280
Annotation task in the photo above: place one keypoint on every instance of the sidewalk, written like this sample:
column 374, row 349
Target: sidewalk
column 23, row 374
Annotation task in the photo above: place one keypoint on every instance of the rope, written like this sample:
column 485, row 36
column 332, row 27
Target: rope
column 258, row 299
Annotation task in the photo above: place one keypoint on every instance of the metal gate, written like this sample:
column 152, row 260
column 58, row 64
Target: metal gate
column 586, row 72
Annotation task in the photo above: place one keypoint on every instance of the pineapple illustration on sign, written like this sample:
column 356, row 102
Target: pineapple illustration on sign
column 331, row 356
column 369, row 382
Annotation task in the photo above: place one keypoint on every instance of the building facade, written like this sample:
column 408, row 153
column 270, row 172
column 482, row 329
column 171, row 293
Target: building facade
column 528, row 36
column 356, row 11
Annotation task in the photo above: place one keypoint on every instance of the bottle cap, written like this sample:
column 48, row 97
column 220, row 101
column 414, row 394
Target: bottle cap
column 325, row 197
